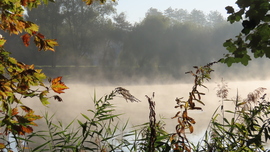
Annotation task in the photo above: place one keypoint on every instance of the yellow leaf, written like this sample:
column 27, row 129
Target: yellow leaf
column 2, row 42
column 2, row 146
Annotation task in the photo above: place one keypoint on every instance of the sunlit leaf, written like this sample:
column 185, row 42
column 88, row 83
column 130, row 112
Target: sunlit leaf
column 12, row 60
column 2, row 146
column 58, row 86
column 51, row 43
column 2, row 42
column 43, row 98
column 27, row 129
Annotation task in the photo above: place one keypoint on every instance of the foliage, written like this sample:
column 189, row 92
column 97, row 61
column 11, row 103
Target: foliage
column 18, row 80
column 244, row 132
column 179, row 139
column 246, row 128
column 99, row 131
column 254, row 37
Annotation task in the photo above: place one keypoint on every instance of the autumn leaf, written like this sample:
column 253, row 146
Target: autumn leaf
column 27, row 129
column 14, row 111
column 191, row 128
column 26, row 39
column 50, row 44
column 24, row 2
column 2, row 146
column 40, row 35
column 25, row 108
column 58, row 86
column 2, row 42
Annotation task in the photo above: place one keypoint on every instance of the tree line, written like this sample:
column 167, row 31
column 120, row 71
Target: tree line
column 96, row 36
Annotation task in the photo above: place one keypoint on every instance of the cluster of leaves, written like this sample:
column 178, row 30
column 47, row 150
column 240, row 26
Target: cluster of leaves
column 99, row 132
column 13, row 21
column 254, row 36
column 18, row 80
column 179, row 139
column 246, row 130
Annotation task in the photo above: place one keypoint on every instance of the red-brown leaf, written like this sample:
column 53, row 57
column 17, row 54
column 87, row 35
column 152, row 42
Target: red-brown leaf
column 26, row 39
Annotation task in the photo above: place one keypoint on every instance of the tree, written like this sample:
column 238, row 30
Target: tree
column 145, row 43
column 121, row 22
column 198, row 17
column 215, row 18
column 255, row 35
column 179, row 15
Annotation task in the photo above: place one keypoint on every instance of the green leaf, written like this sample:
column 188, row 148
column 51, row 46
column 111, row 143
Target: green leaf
column 245, row 59
column 229, row 45
column 12, row 60
column 43, row 98
column 229, row 61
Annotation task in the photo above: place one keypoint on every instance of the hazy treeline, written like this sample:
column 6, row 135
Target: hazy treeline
column 97, row 39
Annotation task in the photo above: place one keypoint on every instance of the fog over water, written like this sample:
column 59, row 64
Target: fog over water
column 79, row 98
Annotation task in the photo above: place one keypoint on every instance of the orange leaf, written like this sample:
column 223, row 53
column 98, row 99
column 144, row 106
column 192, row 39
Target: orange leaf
column 14, row 111
column 27, row 129
column 58, row 86
column 24, row 2
column 26, row 39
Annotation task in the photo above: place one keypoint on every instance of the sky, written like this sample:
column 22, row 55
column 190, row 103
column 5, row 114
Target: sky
column 136, row 9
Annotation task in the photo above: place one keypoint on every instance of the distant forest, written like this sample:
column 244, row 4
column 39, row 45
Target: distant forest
column 101, row 43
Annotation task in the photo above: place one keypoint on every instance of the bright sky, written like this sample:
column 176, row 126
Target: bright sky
column 136, row 9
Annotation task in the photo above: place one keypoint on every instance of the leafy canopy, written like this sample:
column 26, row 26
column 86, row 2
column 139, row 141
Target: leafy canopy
column 255, row 35
column 18, row 80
